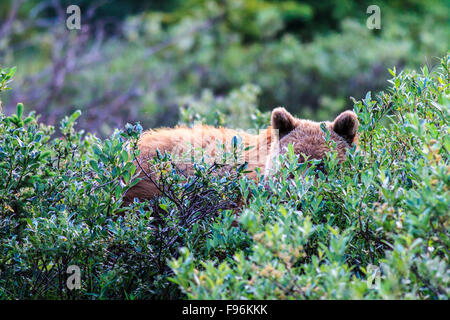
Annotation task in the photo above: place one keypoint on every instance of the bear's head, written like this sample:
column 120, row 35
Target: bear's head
column 307, row 137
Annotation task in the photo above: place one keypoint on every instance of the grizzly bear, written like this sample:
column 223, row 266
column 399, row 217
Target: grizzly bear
column 261, row 149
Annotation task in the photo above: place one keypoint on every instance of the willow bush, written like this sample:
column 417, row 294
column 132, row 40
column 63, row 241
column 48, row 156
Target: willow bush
column 374, row 227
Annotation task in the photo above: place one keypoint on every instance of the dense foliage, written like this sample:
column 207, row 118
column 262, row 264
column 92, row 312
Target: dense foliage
column 374, row 227
column 61, row 204
column 377, row 227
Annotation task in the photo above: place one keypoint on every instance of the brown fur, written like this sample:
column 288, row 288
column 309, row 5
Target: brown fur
column 305, row 135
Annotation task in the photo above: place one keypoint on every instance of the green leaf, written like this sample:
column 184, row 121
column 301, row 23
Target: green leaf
column 19, row 110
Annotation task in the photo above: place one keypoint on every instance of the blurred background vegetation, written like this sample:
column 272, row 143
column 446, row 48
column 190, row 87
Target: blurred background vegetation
column 167, row 62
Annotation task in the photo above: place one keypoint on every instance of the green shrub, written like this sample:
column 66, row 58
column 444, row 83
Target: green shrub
column 375, row 227
column 61, row 204
column 237, row 110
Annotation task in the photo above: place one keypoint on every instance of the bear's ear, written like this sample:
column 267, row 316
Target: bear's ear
column 283, row 121
column 346, row 125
